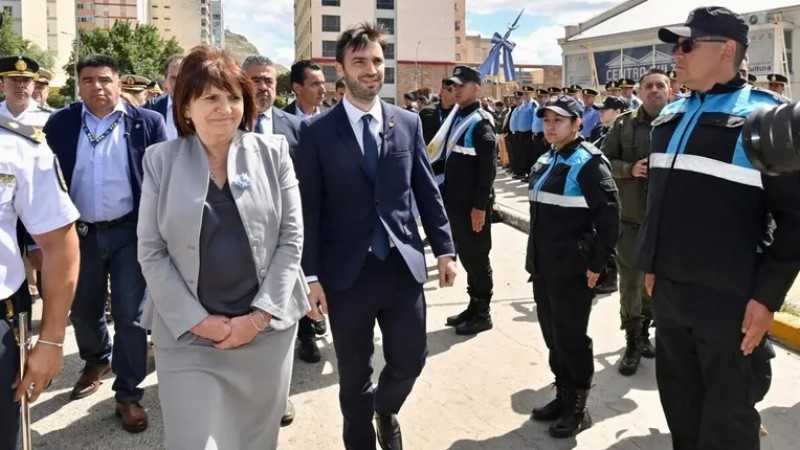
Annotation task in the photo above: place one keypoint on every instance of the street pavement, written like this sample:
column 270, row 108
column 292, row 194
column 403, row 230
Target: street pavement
column 475, row 392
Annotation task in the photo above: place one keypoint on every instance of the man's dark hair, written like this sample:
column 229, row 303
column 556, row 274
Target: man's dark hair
column 653, row 71
column 298, row 71
column 357, row 37
column 169, row 61
column 98, row 60
column 340, row 84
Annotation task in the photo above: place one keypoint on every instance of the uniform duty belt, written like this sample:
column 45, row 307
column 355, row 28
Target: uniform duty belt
column 9, row 316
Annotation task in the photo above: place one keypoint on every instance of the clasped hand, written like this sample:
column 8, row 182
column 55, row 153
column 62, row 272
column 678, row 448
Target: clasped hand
column 225, row 332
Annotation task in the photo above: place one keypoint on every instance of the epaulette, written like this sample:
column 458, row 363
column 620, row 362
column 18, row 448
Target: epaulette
column 591, row 148
column 27, row 131
column 46, row 108
column 486, row 116
column 772, row 95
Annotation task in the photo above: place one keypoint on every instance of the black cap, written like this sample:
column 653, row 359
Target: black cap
column 614, row 102
column 562, row 105
column 672, row 75
column 709, row 21
column 19, row 66
column 517, row 93
column 589, row 91
column 528, row 89
column 611, row 85
column 751, row 78
column 574, row 89
column 465, row 74
column 410, row 95
column 540, row 92
column 553, row 90
column 777, row 78
column 626, row 83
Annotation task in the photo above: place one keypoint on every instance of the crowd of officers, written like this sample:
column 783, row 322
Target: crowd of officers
column 608, row 192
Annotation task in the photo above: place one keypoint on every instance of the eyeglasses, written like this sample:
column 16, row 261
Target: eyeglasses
column 689, row 44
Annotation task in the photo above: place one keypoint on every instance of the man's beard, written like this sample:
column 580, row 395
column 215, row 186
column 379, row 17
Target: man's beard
column 358, row 92
column 263, row 103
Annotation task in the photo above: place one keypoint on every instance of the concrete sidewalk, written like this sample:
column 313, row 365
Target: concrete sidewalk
column 474, row 393
column 512, row 207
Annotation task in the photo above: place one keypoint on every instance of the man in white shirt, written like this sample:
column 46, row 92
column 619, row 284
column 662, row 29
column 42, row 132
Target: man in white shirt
column 308, row 85
column 18, row 74
column 163, row 103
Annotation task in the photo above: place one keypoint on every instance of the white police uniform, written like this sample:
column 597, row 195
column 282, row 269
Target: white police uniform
column 35, row 114
column 31, row 189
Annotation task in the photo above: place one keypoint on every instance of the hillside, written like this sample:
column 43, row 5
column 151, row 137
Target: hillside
column 241, row 48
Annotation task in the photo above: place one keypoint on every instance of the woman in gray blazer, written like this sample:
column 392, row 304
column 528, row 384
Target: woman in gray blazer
column 220, row 239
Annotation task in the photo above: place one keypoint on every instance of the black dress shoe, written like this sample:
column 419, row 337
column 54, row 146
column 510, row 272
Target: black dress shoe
column 320, row 327
column 288, row 415
column 388, row 429
column 309, row 351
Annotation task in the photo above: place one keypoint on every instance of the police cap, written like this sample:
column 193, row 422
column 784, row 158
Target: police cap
column 709, row 21
column 562, row 105
column 777, row 78
column 614, row 102
column 19, row 66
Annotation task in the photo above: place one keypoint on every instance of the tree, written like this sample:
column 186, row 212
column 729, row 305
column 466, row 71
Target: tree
column 138, row 49
column 284, row 84
column 12, row 44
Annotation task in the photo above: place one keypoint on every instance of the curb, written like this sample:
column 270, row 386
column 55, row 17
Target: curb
column 785, row 328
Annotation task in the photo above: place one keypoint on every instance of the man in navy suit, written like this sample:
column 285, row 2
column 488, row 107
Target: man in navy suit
column 100, row 144
column 359, row 165
column 163, row 103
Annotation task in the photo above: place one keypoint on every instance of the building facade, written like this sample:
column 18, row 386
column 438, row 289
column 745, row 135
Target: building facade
column 188, row 21
column 623, row 41
column 217, row 23
column 419, row 54
column 91, row 14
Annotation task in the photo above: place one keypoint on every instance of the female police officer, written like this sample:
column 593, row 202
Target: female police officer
column 574, row 224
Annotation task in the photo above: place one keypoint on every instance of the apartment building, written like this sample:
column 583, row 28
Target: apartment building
column 217, row 23
column 419, row 54
column 91, row 14
column 188, row 21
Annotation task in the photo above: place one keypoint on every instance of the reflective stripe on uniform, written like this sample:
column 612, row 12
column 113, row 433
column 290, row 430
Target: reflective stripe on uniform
column 464, row 150
column 707, row 166
column 567, row 201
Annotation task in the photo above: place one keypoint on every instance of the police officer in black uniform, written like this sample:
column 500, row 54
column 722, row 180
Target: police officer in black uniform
column 574, row 210
column 470, row 169
column 719, row 242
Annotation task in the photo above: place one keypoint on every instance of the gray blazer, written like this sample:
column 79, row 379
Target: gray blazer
column 173, row 193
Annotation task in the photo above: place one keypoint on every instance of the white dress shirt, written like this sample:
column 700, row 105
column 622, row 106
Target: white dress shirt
column 33, row 115
column 299, row 113
column 172, row 130
column 267, row 124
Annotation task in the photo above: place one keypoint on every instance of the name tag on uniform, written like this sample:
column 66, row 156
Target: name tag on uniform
column 7, row 178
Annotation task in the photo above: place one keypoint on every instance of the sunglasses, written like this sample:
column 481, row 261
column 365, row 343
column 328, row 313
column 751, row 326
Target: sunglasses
column 688, row 45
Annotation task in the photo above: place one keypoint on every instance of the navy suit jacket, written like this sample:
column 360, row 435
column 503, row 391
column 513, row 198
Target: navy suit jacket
column 143, row 128
column 159, row 105
column 286, row 125
column 340, row 203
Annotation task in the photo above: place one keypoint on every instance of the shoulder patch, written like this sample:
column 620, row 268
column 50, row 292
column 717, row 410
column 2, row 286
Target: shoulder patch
column 591, row 148
column 29, row 132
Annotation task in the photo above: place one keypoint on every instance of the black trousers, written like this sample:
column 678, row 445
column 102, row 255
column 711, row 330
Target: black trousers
column 563, row 305
column 9, row 366
column 524, row 152
column 305, row 328
column 386, row 292
column 540, row 147
column 473, row 248
column 708, row 388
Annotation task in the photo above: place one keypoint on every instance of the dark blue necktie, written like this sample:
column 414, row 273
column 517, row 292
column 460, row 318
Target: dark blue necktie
column 380, row 240
column 259, row 124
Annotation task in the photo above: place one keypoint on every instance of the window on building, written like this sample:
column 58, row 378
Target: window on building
column 458, row 25
column 458, row 56
column 458, row 39
column 388, row 75
column 389, row 53
column 329, row 72
column 385, row 4
column 386, row 24
column 330, row 2
column 331, row 23
column 787, row 39
column 329, row 49
column 9, row 10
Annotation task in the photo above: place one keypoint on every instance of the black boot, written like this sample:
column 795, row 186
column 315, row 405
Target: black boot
column 480, row 320
column 648, row 351
column 463, row 316
column 554, row 409
column 575, row 417
column 633, row 350
column 608, row 284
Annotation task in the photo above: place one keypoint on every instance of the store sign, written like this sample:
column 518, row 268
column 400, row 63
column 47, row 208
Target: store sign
column 632, row 62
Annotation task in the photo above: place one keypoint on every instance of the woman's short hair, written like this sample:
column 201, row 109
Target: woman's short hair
column 207, row 66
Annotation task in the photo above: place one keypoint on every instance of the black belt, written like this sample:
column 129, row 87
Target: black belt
column 130, row 217
column 523, row 132
column 539, row 134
